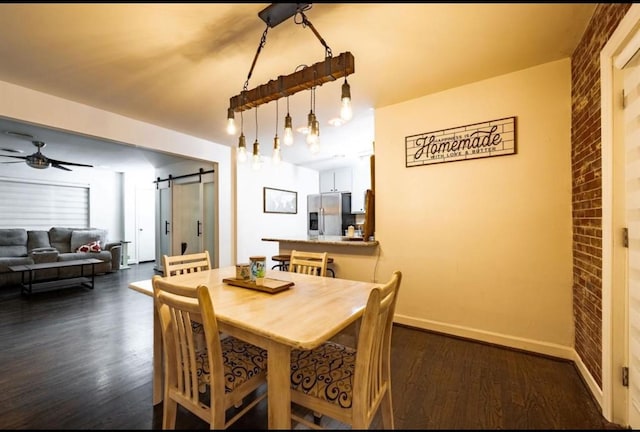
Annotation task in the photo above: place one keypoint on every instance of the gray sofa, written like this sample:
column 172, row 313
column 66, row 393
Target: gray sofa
column 19, row 246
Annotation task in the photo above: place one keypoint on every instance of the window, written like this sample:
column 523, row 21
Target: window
column 39, row 206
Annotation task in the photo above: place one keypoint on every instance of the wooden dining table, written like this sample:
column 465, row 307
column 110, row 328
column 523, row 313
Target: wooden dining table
column 305, row 315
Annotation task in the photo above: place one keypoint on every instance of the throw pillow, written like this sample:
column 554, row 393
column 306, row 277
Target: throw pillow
column 90, row 247
column 81, row 237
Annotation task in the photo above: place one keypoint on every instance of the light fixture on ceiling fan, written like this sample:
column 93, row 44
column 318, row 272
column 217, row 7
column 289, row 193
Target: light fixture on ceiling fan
column 40, row 161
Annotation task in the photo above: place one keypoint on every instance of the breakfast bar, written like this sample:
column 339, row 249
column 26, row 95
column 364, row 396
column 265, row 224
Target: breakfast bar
column 353, row 258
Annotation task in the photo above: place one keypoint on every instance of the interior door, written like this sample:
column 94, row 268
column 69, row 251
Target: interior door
column 188, row 218
column 632, row 213
column 145, row 225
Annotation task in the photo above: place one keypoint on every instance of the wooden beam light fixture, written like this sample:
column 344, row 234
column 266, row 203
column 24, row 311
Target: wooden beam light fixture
column 307, row 78
column 330, row 69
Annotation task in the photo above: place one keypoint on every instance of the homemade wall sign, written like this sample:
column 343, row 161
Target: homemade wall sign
column 477, row 140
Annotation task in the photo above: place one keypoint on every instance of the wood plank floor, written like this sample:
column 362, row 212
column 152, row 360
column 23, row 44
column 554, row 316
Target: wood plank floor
column 82, row 359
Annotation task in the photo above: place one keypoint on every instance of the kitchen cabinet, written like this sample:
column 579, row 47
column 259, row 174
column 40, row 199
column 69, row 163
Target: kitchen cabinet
column 336, row 180
column 361, row 181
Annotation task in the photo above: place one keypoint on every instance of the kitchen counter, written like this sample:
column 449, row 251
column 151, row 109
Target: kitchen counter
column 352, row 259
column 326, row 240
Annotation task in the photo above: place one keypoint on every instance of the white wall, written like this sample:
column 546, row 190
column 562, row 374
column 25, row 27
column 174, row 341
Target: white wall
column 484, row 244
column 31, row 106
column 253, row 224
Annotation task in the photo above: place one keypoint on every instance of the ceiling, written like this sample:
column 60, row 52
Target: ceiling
column 177, row 65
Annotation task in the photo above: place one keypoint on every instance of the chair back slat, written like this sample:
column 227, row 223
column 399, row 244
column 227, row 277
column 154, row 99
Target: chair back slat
column 182, row 264
column 312, row 263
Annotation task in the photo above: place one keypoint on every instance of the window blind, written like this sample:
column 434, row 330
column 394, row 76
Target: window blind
column 39, row 206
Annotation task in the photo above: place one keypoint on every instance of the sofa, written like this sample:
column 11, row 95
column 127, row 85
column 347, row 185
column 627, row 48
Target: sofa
column 19, row 246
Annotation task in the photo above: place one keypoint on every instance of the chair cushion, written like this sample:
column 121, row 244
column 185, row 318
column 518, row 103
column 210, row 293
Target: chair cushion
column 242, row 361
column 325, row 372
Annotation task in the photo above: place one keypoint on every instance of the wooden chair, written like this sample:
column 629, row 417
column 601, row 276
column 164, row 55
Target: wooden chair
column 346, row 384
column 313, row 263
column 231, row 368
column 181, row 264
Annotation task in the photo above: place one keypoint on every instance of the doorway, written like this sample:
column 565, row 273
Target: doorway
column 620, row 77
column 145, row 224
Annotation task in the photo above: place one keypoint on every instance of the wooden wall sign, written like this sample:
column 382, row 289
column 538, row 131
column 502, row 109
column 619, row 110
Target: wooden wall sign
column 477, row 140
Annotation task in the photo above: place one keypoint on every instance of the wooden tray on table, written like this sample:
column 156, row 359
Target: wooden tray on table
column 269, row 285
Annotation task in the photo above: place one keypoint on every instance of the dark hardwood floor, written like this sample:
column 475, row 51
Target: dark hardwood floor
column 81, row 359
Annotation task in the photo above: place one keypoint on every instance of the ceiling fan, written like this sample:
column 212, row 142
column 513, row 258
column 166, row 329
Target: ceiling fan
column 40, row 161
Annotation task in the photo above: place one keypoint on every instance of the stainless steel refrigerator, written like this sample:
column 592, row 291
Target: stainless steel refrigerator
column 329, row 213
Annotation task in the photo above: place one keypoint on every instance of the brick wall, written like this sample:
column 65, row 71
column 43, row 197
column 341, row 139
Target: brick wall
column 586, row 170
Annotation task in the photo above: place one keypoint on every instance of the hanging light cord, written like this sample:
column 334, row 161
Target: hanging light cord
column 277, row 115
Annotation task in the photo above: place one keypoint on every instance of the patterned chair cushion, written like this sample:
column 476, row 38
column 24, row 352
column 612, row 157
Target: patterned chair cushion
column 325, row 372
column 242, row 360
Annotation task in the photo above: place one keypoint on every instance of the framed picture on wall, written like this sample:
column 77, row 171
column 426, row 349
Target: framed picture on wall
column 280, row 201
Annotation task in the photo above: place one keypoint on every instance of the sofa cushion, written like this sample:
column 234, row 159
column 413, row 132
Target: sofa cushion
column 37, row 240
column 102, row 255
column 60, row 238
column 90, row 247
column 44, row 255
column 13, row 242
column 83, row 237
column 6, row 262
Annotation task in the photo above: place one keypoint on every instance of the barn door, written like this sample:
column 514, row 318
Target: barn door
column 188, row 218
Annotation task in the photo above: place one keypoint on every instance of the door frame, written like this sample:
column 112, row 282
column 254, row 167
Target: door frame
column 620, row 47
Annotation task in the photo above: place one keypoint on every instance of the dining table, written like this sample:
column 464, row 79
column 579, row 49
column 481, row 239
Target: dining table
column 309, row 312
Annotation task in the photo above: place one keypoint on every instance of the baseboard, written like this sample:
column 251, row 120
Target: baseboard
column 588, row 379
column 539, row 347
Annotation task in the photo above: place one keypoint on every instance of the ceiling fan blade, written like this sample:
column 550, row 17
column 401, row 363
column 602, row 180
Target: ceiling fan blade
column 16, row 157
column 57, row 162
column 57, row 165
column 8, row 162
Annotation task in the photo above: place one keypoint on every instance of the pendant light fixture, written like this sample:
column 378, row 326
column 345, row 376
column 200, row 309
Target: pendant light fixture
column 256, row 160
column 276, row 141
column 313, row 137
column 242, row 142
column 345, row 107
column 288, row 127
column 231, row 123
column 317, row 74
